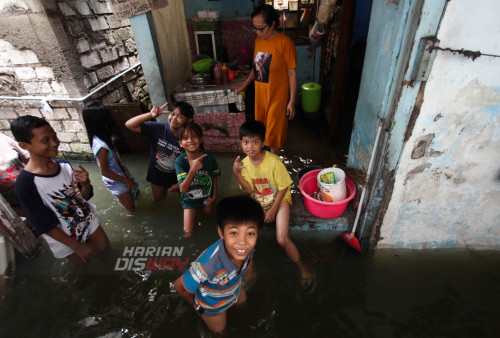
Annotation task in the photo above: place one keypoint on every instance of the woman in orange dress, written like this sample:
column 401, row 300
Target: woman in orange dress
column 274, row 73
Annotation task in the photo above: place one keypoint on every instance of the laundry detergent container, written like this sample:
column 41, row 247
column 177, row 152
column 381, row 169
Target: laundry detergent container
column 311, row 97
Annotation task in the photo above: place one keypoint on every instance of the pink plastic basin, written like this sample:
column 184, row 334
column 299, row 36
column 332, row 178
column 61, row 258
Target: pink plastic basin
column 308, row 184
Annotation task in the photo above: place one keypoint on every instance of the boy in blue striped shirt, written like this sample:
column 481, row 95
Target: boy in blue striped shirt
column 213, row 282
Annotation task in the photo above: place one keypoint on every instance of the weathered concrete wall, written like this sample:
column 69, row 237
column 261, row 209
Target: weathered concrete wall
column 105, row 44
column 447, row 185
column 35, row 56
column 64, row 49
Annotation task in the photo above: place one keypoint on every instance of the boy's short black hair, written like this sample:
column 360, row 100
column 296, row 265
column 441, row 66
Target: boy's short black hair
column 185, row 108
column 237, row 210
column 22, row 126
column 252, row 129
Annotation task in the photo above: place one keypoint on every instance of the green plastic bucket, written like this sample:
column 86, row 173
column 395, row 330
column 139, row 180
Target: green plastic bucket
column 311, row 97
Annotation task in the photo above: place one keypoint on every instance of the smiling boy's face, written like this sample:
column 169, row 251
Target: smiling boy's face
column 44, row 142
column 176, row 120
column 252, row 145
column 239, row 240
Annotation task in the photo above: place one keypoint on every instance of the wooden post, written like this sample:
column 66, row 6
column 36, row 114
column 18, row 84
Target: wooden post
column 16, row 231
column 7, row 262
column 341, row 67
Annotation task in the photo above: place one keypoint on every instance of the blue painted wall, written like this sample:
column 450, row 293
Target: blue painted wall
column 147, row 46
column 361, row 19
column 389, row 42
column 378, row 69
column 305, row 65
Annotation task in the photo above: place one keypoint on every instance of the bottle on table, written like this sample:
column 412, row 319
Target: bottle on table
column 225, row 77
column 217, row 74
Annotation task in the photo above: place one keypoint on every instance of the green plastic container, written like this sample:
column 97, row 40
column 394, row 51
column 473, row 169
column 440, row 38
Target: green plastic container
column 202, row 66
column 311, row 97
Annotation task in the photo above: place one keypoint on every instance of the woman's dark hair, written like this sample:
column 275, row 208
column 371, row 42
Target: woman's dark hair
column 22, row 126
column 237, row 210
column 252, row 129
column 185, row 108
column 98, row 121
column 269, row 14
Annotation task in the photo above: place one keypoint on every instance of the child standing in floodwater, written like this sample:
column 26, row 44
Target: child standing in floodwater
column 213, row 282
column 54, row 196
column 262, row 175
column 164, row 144
column 197, row 173
column 101, row 134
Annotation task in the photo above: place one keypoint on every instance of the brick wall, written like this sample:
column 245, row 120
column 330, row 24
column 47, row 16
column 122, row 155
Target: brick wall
column 105, row 44
column 65, row 118
column 65, row 49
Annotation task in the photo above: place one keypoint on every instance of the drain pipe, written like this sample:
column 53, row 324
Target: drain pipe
column 80, row 99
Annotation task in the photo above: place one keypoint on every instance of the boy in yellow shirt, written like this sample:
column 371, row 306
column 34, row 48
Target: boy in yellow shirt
column 265, row 178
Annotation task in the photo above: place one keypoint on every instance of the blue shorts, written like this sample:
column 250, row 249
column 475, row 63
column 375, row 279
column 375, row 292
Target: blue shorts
column 218, row 311
column 117, row 188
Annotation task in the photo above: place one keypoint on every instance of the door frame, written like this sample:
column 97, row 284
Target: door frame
column 388, row 94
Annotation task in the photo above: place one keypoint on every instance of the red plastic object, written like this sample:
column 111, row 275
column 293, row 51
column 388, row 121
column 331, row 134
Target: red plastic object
column 308, row 184
column 351, row 240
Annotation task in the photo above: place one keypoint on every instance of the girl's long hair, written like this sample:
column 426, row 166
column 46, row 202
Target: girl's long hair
column 98, row 121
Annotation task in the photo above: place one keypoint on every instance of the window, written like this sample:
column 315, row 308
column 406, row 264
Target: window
column 205, row 43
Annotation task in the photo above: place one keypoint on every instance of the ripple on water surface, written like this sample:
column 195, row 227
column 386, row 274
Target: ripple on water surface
column 379, row 294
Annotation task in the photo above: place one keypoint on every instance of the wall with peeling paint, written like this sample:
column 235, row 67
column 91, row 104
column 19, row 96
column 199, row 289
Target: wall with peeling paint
column 447, row 184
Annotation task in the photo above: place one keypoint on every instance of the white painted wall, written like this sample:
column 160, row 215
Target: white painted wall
column 450, row 197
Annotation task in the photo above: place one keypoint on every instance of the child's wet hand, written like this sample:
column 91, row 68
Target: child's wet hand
column 237, row 165
column 208, row 202
column 130, row 182
column 82, row 175
column 197, row 163
column 84, row 251
column 174, row 188
column 161, row 111
column 270, row 216
column 155, row 111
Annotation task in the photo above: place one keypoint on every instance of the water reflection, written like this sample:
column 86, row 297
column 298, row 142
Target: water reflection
column 381, row 294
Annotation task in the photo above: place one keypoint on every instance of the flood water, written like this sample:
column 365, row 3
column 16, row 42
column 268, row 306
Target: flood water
column 445, row 293
column 385, row 293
